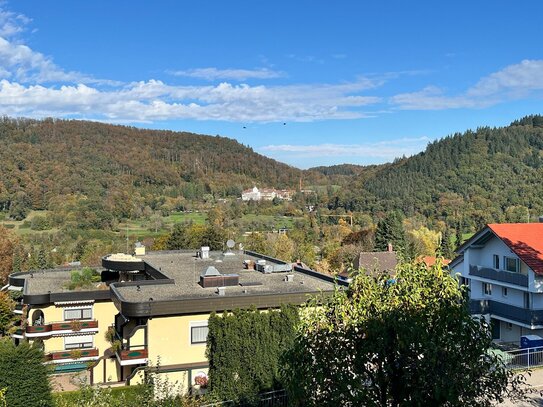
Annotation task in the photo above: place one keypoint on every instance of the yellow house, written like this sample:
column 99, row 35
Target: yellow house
column 157, row 306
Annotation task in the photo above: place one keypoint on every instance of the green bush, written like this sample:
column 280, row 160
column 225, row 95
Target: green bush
column 24, row 375
column 245, row 350
column 83, row 278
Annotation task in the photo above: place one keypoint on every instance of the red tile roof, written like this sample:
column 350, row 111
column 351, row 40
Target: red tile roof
column 525, row 240
column 431, row 260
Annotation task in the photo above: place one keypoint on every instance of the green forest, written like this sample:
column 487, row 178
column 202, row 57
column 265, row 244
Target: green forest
column 73, row 190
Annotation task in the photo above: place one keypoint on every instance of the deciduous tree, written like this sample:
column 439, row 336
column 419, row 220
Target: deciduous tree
column 407, row 341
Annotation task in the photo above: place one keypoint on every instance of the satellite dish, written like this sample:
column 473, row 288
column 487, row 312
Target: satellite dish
column 230, row 244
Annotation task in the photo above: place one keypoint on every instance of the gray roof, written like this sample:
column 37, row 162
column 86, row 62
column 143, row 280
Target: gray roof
column 185, row 269
column 377, row 261
column 53, row 281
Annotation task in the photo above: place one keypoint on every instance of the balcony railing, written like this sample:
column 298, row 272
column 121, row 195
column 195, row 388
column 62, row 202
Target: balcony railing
column 499, row 275
column 72, row 354
column 61, row 327
column 499, row 309
column 74, row 325
column 18, row 309
column 132, row 356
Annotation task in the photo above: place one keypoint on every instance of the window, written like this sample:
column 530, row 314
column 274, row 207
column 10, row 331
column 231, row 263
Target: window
column 78, row 342
column 198, row 333
column 77, row 313
column 487, row 289
column 511, row 264
column 496, row 262
column 509, row 326
column 504, row 291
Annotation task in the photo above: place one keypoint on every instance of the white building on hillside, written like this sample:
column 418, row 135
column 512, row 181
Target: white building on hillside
column 265, row 194
column 251, row 195
column 503, row 266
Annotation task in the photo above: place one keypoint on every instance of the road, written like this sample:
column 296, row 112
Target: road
column 536, row 399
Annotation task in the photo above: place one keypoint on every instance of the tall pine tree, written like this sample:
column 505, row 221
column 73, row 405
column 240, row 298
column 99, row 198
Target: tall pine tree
column 390, row 230
column 446, row 245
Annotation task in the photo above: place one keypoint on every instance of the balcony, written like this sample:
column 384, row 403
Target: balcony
column 18, row 309
column 59, row 328
column 18, row 334
column 128, row 357
column 73, row 355
column 499, row 275
column 499, row 309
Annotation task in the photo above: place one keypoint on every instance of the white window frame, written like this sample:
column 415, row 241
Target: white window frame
column 487, row 289
column 197, row 324
column 91, row 337
column 496, row 261
column 81, row 309
column 517, row 264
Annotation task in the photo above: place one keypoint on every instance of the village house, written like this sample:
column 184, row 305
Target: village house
column 503, row 266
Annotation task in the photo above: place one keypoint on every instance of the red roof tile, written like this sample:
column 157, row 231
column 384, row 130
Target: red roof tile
column 525, row 240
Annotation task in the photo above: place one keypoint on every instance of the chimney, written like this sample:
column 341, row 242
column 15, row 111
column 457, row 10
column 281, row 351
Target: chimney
column 204, row 251
column 389, row 247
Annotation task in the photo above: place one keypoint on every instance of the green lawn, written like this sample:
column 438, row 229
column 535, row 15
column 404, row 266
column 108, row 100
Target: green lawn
column 199, row 218
column 22, row 227
column 275, row 220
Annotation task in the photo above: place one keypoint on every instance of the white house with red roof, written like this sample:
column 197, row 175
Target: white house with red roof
column 503, row 266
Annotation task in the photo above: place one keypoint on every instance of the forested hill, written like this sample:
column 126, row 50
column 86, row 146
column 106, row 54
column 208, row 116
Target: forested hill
column 41, row 161
column 487, row 175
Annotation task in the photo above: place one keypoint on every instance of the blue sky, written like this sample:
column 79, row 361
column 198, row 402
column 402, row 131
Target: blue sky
column 306, row 82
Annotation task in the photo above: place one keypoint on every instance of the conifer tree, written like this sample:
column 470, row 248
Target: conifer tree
column 446, row 246
column 390, row 230
column 459, row 239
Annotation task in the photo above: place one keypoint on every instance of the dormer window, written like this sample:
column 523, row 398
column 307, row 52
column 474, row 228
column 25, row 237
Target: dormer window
column 511, row 264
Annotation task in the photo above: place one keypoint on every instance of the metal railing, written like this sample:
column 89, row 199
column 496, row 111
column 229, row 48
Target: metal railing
column 277, row 398
column 499, row 275
column 523, row 358
column 523, row 315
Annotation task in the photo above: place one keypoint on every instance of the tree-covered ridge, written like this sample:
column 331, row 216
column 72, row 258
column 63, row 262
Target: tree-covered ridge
column 487, row 175
column 42, row 160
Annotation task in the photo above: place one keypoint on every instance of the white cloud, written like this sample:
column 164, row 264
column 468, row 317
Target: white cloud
column 516, row 81
column 155, row 100
column 21, row 63
column 388, row 149
column 32, row 85
column 212, row 74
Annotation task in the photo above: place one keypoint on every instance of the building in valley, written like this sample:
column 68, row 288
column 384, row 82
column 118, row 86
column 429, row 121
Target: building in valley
column 266, row 194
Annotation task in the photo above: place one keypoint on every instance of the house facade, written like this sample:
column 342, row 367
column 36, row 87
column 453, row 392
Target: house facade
column 503, row 266
column 152, row 310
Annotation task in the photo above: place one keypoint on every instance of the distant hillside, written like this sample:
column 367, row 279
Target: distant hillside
column 41, row 161
column 491, row 174
column 340, row 169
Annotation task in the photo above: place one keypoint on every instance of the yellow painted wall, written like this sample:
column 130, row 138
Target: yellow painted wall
column 104, row 313
column 169, row 338
column 138, row 339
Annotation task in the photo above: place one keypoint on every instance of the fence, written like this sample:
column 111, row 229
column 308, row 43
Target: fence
column 277, row 398
column 523, row 358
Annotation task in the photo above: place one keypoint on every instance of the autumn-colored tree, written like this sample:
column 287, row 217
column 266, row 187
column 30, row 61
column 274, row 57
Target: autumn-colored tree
column 8, row 246
column 423, row 242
